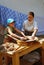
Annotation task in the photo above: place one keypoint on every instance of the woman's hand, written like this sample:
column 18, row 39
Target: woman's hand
column 30, row 37
column 33, row 37
column 23, row 34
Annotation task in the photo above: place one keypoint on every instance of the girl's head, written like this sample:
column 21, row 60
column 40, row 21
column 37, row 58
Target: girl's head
column 10, row 22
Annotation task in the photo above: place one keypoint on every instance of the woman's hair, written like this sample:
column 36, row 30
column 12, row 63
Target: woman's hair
column 31, row 13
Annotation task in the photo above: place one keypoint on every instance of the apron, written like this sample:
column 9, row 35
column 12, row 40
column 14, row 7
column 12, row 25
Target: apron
column 28, row 33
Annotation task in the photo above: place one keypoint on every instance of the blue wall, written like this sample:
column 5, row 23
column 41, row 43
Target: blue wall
column 19, row 17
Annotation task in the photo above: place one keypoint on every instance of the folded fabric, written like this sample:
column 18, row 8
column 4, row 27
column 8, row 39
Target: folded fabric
column 32, row 57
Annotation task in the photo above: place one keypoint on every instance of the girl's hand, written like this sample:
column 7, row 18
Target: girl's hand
column 23, row 38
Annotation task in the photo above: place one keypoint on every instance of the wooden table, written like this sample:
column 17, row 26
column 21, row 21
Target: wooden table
column 20, row 52
column 42, row 53
column 42, row 49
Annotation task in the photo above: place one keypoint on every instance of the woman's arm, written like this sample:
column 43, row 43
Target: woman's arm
column 34, row 33
column 35, row 29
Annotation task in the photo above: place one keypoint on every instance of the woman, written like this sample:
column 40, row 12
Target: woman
column 30, row 26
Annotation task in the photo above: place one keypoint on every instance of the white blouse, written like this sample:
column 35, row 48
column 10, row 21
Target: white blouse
column 29, row 26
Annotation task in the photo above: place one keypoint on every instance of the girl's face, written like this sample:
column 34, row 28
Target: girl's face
column 30, row 17
column 11, row 24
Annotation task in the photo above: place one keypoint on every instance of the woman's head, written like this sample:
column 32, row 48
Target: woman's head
column 30, row 16
column 10, row 22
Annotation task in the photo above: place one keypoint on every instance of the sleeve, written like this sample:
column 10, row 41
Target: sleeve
column 9, row 30
column 35, row 25
column 23, row 27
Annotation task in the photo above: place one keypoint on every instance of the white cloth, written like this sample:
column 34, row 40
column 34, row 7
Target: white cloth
column 32, row 57
column 29, row 26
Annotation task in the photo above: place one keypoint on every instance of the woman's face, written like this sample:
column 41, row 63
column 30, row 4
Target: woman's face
column 30, row 17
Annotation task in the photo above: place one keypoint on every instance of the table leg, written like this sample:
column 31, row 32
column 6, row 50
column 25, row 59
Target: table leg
column 42, row 57
column 15, row 59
